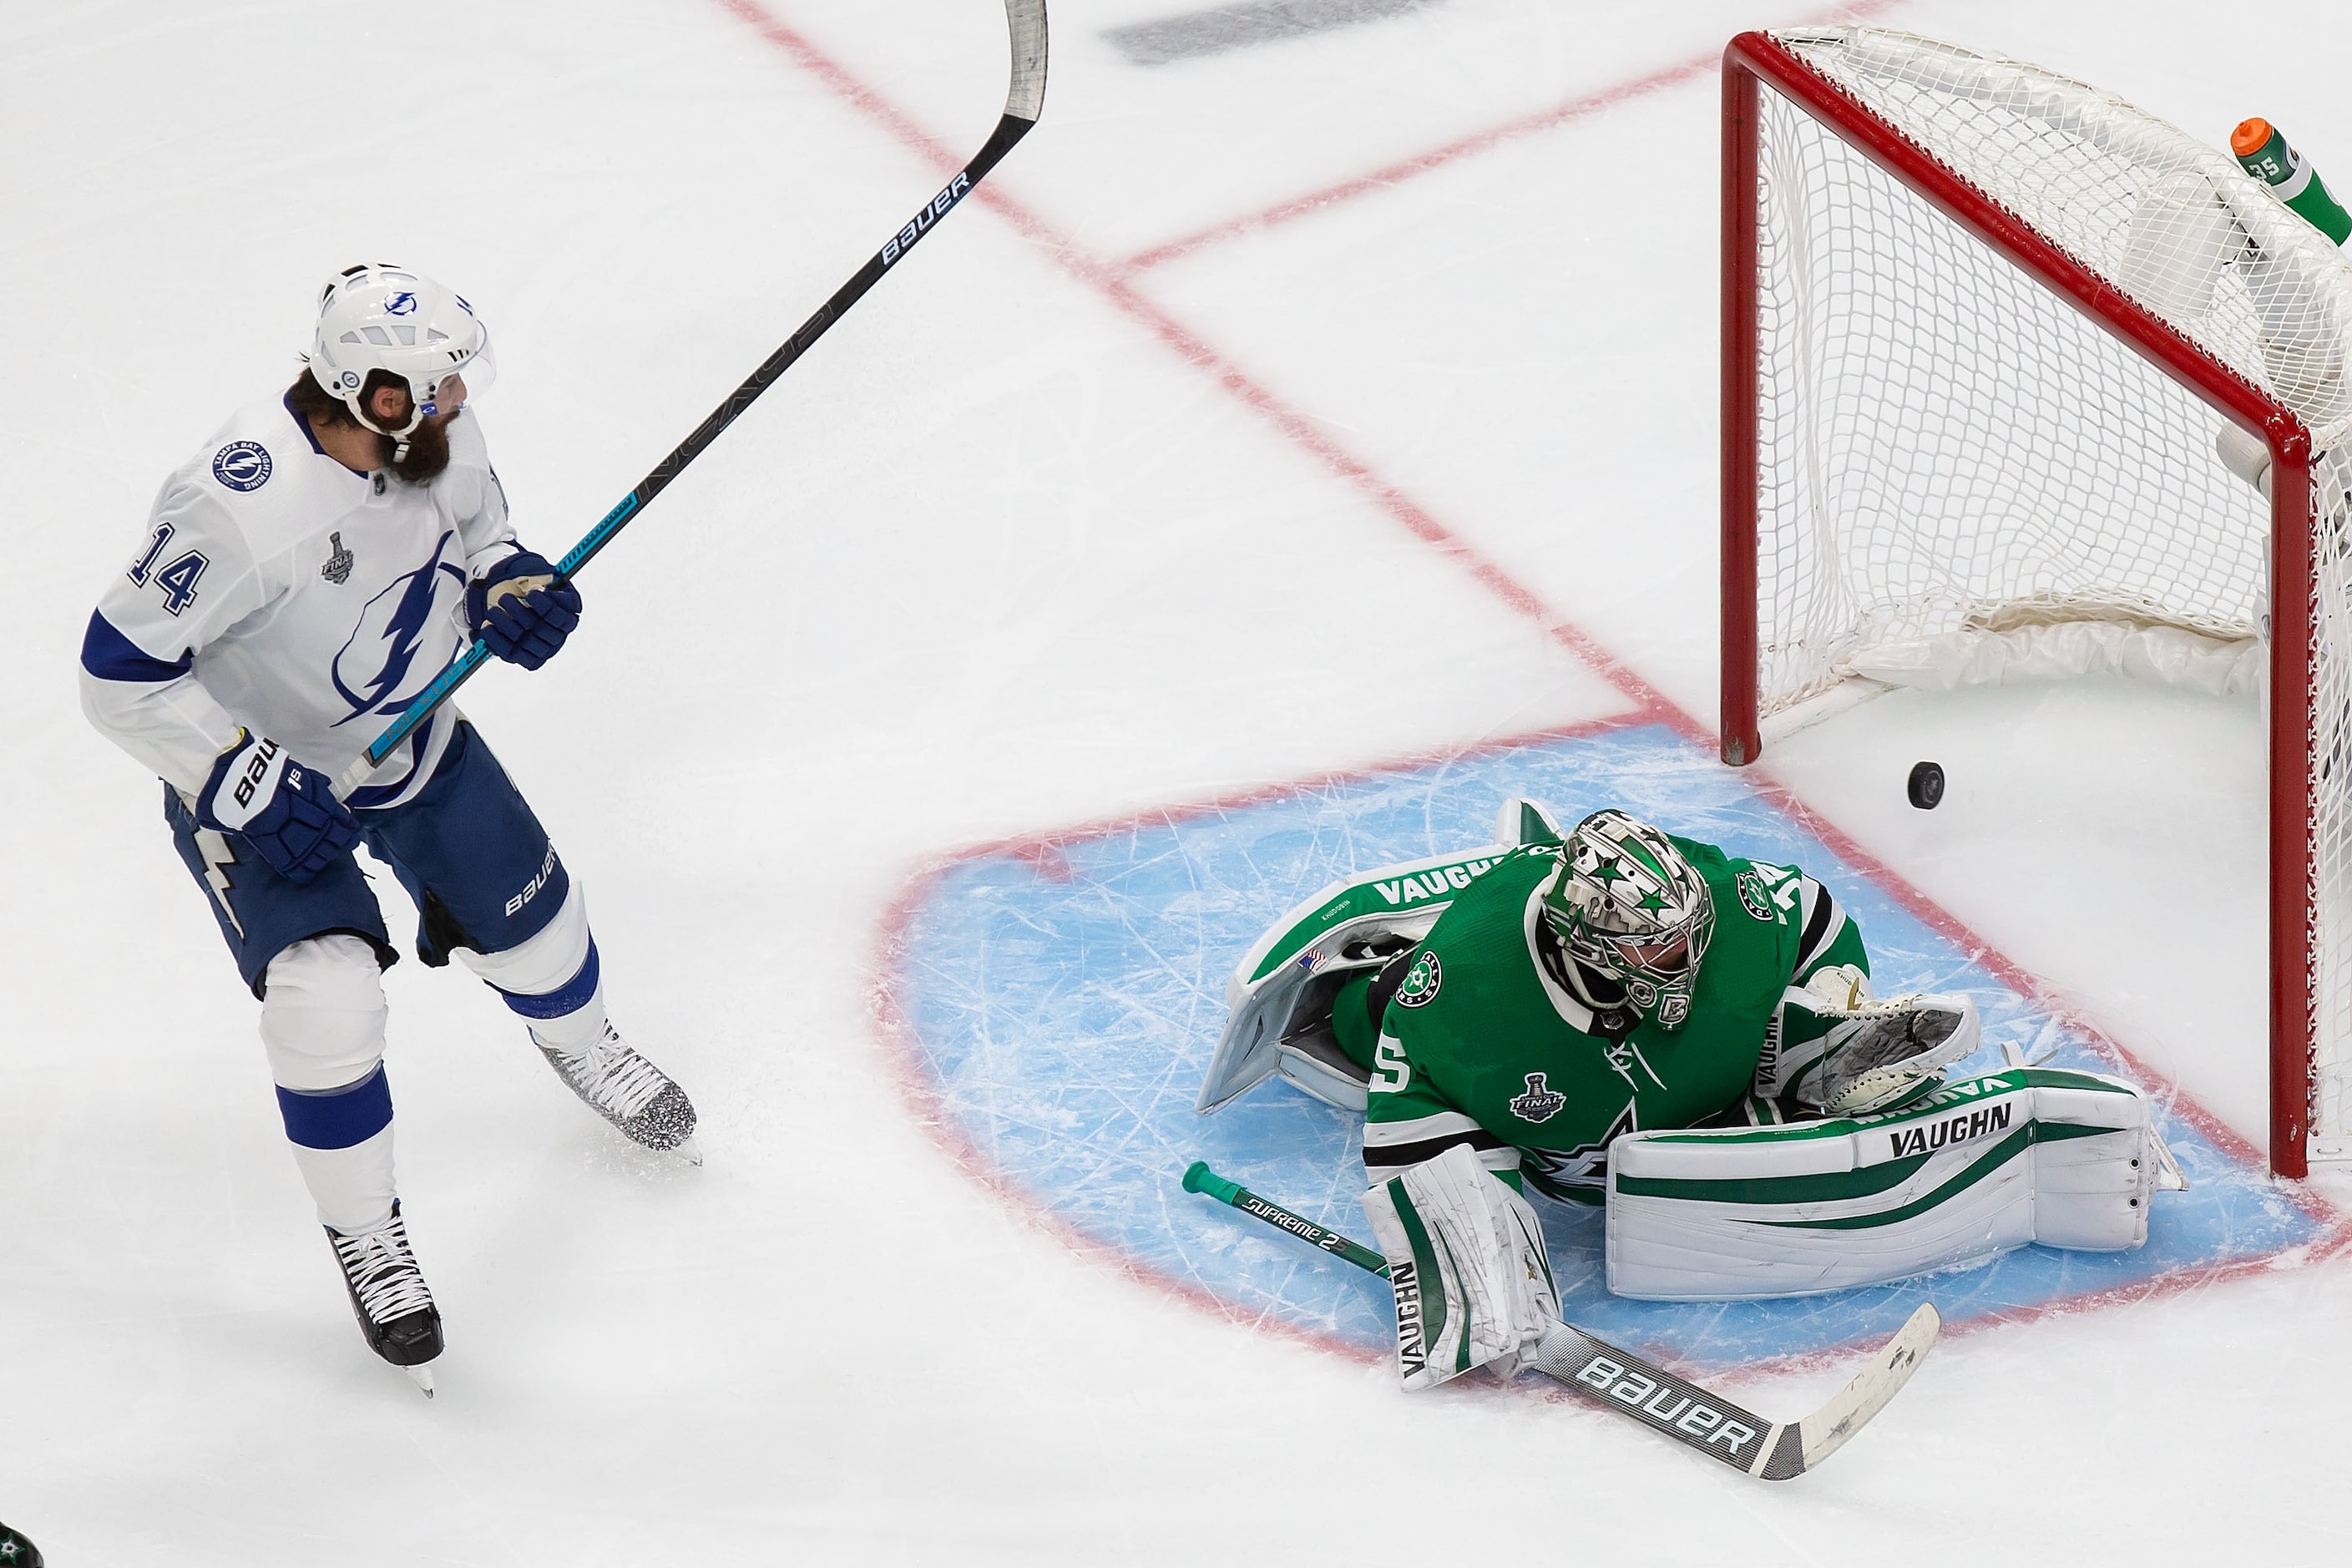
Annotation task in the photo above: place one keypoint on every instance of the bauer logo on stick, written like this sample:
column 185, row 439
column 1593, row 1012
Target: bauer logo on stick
column 941, row 205
column 1666, row 1405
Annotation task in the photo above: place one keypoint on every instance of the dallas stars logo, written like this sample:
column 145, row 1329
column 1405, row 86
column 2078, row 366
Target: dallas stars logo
column 1421, row 982
column 1541, row 1103
column 1558, row 1172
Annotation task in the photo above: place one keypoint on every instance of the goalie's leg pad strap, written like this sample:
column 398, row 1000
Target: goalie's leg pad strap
column 2068, row 1159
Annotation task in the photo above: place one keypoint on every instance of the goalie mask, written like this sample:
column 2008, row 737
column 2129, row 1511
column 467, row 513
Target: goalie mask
column 1628, row 907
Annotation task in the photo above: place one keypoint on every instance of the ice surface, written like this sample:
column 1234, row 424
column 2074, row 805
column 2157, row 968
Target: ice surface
column 1066, row 995
column 1031, row 540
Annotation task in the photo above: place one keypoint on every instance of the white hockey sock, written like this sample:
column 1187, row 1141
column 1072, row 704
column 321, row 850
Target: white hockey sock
column 575, row 1031
column 551, row 979
column 352, row 1187
column 322, row 1019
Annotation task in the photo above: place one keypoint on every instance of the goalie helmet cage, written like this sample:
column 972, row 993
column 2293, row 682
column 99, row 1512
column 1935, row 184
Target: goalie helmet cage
column 1981, row 324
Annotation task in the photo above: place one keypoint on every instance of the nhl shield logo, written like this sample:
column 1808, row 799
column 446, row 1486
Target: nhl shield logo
column 1541, row 1103
column 338, row 569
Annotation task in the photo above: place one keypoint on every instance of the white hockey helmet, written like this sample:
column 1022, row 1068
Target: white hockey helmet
column 380, row 317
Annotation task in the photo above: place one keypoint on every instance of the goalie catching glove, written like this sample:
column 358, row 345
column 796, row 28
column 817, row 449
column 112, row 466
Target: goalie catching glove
column 1833, row 1050
column 1466, row 1258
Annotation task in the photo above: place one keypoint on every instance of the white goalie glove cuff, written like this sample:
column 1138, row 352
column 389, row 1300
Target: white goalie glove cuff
column 1466, row 1258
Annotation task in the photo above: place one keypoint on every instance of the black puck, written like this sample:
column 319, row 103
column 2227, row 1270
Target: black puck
column 1925, row 786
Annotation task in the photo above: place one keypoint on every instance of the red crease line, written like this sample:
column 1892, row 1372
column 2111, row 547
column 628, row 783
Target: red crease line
column 1113, row 281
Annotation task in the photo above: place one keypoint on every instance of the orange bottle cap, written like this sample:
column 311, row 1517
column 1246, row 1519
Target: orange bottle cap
column 2250, row 137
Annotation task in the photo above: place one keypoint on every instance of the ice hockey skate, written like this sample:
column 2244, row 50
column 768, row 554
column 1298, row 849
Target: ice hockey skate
column 628, row 1091
column 390, row 1299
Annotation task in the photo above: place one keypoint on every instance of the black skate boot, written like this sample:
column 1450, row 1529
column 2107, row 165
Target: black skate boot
column 628, row 1091
column 389, row 1297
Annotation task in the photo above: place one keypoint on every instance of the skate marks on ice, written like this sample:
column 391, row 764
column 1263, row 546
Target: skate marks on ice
column 1060, row 998
column 1222, row 27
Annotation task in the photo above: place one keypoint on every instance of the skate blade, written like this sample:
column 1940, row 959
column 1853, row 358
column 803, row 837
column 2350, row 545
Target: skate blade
column 688, row 1151
column 422, row 1376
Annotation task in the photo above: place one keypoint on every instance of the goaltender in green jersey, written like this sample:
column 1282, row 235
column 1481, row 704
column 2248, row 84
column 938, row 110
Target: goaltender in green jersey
column 1616, row 1015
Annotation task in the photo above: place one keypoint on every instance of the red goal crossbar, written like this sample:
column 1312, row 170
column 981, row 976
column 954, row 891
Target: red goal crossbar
column 1756, row 57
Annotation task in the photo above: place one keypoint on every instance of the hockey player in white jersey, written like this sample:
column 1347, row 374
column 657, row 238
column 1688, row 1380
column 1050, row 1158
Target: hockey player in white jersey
column 300, row 580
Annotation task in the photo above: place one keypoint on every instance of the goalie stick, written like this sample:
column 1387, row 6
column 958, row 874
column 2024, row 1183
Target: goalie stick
column 1024, row 102
column 1622, row 1381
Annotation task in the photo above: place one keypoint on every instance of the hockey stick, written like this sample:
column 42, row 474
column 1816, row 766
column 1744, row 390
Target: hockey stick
column 1624, row 1382
column 1022, row 104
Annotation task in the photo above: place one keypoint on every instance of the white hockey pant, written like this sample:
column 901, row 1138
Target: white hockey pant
column 322, row 1016
column 2066, row 1159
column 551, row 978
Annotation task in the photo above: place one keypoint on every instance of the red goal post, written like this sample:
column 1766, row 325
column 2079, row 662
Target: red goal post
column 1829, row 134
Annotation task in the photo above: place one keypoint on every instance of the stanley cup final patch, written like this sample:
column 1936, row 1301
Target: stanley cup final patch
column 1541, row 1103
column 1419, row 988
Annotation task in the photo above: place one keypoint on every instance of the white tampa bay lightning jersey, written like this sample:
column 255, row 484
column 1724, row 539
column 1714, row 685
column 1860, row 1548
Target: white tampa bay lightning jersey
column 275, row 590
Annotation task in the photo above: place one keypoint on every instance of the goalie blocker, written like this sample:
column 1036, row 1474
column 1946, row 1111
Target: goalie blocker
column 1984, row 1165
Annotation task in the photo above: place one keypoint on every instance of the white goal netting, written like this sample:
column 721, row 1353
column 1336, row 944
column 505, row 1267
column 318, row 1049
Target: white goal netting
column 1962, row 477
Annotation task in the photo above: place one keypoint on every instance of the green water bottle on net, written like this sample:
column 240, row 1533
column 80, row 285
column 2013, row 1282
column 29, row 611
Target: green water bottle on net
column 2264, row 153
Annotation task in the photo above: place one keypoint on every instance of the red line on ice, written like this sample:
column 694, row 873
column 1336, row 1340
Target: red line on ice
column 1113, row 282
column 1404, row 169
column 937, row 1118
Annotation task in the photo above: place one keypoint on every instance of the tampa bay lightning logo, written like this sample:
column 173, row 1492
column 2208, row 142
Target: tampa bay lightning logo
column 401, row 304
column 372, row 670
column 242, row 465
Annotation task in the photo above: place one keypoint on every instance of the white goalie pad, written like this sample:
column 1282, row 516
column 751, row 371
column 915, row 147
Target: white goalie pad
column 1466, row 1259
column 2031, row 1154
column 1278, row 999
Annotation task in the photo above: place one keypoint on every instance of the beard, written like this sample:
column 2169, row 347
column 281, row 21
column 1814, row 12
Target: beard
column 428, row 449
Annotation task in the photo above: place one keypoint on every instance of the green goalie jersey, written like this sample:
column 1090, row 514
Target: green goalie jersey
column 1481, row 1043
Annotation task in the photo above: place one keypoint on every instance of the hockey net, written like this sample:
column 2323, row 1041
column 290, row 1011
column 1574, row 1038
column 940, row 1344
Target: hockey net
column 1982, row 324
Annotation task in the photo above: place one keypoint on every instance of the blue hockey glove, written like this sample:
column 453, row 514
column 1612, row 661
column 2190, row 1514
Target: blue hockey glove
column 286, row 811
column 518, row 608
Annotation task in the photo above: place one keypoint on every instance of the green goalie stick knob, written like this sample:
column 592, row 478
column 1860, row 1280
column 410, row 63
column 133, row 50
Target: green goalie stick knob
column 1199, row 1178
column 2263, row 152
